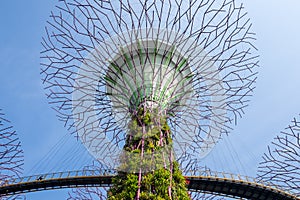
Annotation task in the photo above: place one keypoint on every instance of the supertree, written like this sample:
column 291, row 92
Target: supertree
column 281, row 163
column 11, row 154
column 149, row 86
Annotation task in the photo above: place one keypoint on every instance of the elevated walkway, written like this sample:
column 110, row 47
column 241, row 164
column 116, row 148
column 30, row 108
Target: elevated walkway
column 224, row 184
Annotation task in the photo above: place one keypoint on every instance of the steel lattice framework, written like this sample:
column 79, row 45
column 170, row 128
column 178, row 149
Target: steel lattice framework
column 207, row 44
column 11, row 154
column 281, row 164
column 89, row 192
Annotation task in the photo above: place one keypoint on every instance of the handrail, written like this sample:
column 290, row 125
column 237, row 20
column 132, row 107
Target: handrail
column 56, row 175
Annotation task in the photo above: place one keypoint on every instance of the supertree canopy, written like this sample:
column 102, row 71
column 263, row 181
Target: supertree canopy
column 149, row 86
column 193, row 60
column 281, row 163
column 11, row 154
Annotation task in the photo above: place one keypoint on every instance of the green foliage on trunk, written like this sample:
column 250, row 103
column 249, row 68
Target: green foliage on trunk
column 147, row 169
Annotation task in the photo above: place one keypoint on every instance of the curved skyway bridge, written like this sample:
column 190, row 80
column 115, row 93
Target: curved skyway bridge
column 223, row 184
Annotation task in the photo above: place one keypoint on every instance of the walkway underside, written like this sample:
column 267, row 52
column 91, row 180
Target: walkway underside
column 237, row 188
column 221, row 186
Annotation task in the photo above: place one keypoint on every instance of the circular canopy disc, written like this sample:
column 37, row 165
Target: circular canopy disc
column 133, row 76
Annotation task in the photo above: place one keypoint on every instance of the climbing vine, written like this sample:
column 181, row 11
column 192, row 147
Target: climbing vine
column 148, row 170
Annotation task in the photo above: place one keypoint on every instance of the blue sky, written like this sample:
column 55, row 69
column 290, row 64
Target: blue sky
column 274, row 104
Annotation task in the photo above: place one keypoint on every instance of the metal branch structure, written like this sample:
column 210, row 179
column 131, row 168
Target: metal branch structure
column 89, row 193
column 149, row 86
column 11, row 154
column 101, row 57
column 281, row 163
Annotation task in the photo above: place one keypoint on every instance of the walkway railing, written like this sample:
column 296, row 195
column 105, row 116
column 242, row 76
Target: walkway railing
column 60, row 175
